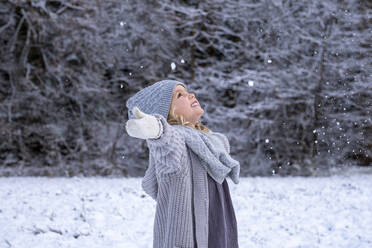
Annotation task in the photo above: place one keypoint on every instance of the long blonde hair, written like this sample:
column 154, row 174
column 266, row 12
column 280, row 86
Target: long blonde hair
column 175, row 119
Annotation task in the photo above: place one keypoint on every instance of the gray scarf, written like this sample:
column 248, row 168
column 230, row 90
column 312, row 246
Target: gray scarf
column 214, row 157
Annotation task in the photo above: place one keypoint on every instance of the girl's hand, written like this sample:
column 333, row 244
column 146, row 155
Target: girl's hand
column 144, row 127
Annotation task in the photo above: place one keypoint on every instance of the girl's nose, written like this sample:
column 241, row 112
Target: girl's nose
column 192, row 95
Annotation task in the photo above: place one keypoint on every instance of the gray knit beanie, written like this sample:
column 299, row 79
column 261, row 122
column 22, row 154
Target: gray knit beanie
column 153, row 99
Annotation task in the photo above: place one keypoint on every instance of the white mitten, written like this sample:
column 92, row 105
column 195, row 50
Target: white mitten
column 145, row 126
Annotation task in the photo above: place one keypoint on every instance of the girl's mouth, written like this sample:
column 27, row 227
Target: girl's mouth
column 194, row 104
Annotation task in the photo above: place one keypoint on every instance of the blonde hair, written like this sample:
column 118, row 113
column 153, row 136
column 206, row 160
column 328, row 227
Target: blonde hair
column 174, row 119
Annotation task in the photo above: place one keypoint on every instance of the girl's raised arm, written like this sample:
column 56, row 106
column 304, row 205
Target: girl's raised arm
column 169, row 150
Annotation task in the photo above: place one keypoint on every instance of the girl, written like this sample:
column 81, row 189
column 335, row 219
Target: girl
column 188, row 164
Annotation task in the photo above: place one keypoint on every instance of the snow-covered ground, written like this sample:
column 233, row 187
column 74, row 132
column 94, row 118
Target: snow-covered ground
column 327, row 212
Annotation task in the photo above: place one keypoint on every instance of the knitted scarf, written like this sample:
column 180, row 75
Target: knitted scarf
column 214, row 157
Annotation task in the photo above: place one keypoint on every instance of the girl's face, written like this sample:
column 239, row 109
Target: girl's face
column 185, row 104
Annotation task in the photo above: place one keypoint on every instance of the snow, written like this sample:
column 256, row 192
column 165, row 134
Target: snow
column 333, row 211
column 173, row 66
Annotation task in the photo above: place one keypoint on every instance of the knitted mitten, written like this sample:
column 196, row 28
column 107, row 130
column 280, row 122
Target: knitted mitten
column 144, row 126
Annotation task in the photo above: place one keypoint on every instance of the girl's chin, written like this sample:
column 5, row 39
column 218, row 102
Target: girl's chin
column 200, row 110
column 197, row 112
column 196, row 115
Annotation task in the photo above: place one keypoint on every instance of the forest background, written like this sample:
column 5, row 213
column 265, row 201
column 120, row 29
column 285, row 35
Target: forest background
column 288, row 82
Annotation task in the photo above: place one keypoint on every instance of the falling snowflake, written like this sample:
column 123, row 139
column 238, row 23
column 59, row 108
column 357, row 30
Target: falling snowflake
column 250, row 83
column 173, row 66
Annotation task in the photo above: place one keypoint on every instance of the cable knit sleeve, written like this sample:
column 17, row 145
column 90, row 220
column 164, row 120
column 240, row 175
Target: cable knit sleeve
column 169, row 150
column 149, row 182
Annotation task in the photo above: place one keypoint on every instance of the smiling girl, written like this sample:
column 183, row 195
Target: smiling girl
column 188, row 166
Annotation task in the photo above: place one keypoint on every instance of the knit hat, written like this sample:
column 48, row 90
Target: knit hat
column 153, row 99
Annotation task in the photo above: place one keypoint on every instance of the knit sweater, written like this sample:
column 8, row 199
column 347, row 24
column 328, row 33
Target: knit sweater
column 178, row 183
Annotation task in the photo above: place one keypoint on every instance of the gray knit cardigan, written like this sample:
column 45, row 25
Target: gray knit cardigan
column 178, row 183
